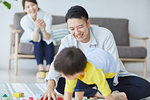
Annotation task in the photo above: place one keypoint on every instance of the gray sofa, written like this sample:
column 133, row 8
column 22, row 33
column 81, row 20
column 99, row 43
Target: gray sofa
column 118, row 26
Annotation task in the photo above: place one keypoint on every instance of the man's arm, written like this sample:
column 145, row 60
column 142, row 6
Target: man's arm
column 53, row 76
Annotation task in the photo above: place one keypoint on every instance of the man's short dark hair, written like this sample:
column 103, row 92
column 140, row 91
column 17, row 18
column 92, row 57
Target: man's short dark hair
column 70, row 60
column 77, row 12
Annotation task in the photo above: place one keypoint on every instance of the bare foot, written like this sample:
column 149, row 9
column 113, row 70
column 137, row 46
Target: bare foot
column 119, row 95
column 48, row 67
column 41, row 67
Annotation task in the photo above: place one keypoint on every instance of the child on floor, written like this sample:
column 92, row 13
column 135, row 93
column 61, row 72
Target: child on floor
column 89, row 75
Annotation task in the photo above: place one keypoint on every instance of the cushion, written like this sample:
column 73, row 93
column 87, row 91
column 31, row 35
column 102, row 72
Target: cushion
column 118, row 26
column 58, row 19
column 58, row 34
column 132, row 52
column 26, row 48
column 16, row 21
column 59, row 26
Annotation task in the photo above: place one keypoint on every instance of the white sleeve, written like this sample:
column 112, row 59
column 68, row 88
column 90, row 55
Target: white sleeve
column 102, row 60
column 53, row 74
column 110, row 46
column 48, row 20
column 28, row 28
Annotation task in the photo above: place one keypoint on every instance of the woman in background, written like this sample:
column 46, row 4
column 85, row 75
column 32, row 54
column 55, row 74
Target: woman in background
column 37, row 29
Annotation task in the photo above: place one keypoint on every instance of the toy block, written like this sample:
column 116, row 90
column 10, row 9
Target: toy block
column 18, row 95
column 4, row 95
column 30, row 98
column 43, row 98
column 22, row 94
column 46, row 98
column 8, row 98
column 60, row 98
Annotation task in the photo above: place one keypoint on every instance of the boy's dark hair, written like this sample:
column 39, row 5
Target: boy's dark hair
column 33, row 1
column 70, row 60
column 77, row 12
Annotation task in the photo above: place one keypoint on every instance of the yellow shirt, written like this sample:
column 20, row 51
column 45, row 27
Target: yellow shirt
column 92, row 75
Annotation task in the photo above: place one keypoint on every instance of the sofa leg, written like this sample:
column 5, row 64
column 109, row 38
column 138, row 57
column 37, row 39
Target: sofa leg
column 9, row 63
column 16, row 65
column 145, row 69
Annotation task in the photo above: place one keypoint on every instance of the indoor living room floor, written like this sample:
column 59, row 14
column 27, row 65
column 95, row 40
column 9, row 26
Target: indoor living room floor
column 25, row 75
column 28, row 75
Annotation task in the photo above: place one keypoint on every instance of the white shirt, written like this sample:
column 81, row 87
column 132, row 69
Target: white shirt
column 102, row 59
column 28, row 24
column 101, row 38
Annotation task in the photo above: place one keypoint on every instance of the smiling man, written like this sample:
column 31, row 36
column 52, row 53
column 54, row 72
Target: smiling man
column 84, row 36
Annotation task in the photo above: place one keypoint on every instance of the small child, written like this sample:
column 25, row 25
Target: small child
column 90, row 75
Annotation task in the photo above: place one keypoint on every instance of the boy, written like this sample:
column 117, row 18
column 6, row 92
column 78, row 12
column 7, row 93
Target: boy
column 83, row 73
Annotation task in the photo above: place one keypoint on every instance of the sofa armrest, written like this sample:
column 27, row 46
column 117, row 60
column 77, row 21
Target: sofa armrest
column 16, row 33
column 13, row 30
column 139, row 38
column 135, row 37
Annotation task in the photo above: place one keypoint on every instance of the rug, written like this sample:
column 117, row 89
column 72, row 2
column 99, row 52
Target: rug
column 29, row 89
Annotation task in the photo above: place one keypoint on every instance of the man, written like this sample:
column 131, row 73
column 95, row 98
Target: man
column 83, row 36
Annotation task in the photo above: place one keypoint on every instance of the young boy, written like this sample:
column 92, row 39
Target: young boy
column 91, row 74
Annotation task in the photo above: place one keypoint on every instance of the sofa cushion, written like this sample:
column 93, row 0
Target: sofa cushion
column 26, row 48
column 119, row 28
column 132, row 52
column 16, row 21
column 58, row 19
column 59, row 26
column 58, row 34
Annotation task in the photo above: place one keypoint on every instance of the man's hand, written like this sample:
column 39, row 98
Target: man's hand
column 50, row 93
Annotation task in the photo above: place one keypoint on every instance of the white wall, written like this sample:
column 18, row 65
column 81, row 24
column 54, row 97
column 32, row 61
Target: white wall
column 137, row 11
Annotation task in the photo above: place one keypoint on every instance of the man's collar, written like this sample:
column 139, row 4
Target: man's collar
column 92, row 38
column 93, row 42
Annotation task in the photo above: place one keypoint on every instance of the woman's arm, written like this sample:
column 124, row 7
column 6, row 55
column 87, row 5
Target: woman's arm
column 36, row 30
column 46, row 35
column 29, row 29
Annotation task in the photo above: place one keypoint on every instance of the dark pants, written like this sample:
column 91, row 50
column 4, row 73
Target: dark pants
column 135, row 87
column 43, row 51
column 88, row 89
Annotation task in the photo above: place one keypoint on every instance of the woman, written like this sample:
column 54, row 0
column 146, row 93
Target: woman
column 37, row 29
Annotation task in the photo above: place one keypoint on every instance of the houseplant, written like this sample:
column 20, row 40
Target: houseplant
column 7, row 4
